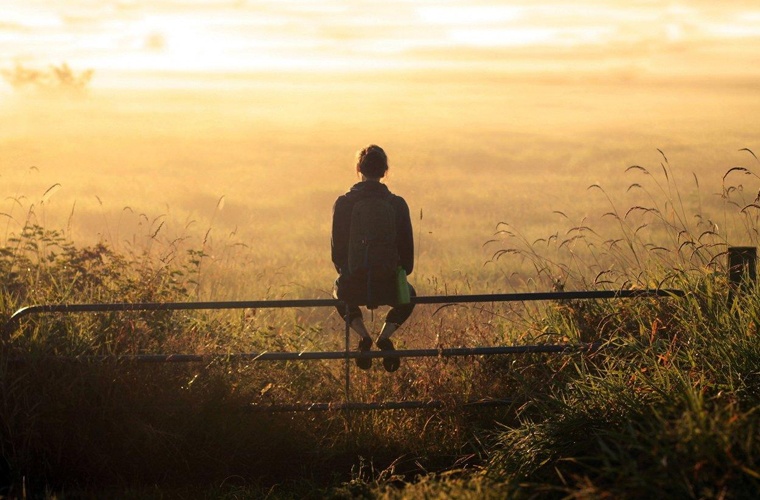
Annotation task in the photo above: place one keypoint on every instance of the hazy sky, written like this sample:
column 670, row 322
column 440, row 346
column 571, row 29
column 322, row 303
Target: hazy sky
column 125, row 40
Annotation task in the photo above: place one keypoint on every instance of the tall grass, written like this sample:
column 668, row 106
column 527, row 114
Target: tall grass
column 668, row 406
column 88, row 424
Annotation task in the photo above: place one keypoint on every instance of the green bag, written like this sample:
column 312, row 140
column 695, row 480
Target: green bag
column 402, row 287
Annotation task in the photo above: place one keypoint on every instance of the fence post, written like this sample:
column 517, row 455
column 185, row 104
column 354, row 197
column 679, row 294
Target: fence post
column 742, row 270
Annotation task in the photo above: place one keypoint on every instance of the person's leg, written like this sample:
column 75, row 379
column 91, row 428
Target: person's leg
column 353, row 315
column 395, row 318
column 355, row 318
column 353, row 312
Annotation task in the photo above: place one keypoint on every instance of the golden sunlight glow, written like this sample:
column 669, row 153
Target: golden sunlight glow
column 204, row 37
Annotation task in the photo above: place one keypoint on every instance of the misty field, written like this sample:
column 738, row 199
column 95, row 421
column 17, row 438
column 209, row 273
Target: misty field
column 260, row 163
column 170, row 197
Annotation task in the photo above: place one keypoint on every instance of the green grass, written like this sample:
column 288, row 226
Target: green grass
column 667, row 408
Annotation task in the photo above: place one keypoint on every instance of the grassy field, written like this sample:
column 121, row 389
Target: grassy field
column 230, row 206
column 252, row 173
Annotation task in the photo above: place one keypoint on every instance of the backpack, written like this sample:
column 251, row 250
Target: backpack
column 372, row 248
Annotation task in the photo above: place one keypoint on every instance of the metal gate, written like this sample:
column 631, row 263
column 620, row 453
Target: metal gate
column 15, row 322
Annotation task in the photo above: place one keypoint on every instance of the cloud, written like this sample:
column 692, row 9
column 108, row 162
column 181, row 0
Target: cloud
column 54, row 79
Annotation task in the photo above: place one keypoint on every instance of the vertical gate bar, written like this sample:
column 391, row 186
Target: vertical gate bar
column 348, row 360
column 347, row 414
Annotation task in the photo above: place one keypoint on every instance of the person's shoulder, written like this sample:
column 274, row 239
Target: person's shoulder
column 399, row 201
column 345, row 199
column 339, row 201
column 394, row 196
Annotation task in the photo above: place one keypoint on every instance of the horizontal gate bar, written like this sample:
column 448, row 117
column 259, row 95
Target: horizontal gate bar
column 313, row 355
column 384, row 405
column 12, row 324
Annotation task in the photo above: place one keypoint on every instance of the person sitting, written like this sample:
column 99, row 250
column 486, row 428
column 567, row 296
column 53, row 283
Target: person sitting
column 372, row 241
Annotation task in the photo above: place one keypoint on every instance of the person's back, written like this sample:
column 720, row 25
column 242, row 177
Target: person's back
column 366, row 256
column 372, row 238
column 372, row 250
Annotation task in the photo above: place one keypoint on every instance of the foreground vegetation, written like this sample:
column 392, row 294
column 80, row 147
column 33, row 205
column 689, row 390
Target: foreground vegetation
column 668, row 407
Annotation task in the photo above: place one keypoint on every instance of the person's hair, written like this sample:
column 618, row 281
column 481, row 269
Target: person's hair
column 372, row 162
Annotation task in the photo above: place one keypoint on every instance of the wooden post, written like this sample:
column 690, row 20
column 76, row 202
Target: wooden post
column 742, row 272
column 742, row 267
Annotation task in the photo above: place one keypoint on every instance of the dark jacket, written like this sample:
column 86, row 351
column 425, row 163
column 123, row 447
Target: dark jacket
column 341, row 225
